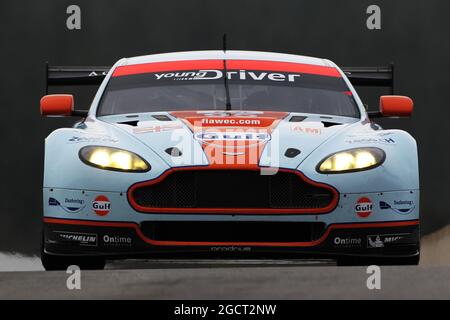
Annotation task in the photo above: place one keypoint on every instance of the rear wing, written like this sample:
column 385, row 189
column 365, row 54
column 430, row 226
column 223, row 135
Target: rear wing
column 73, row 76
column 371, row 76
column 78, row 76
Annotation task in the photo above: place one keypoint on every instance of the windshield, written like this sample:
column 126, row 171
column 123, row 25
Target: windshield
column 320, row 90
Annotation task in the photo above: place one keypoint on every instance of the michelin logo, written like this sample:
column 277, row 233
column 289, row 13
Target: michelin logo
column 375, row 243
column 381, row 241
column 86, row 239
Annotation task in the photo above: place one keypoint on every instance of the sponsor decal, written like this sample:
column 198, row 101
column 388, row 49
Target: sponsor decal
column 372, row 140
column 363, row 207
column 231, row 75
column 255, row 119
column 231, row 249
column 230, row 140
column 399, row 206
column 218, row 122
column 83, row 239
column 306, row 130
column 374, row 242
column 228, row 121
column 117, row 240
column 383, row 134
column 380, row 241
column 237, row 69
column 347, row 242
column 157, row 128
column 366, row 133
column 101, row 205
column 77, row 139
column 237, row 113
column 230, row 153
column 71, row 205
column 211, row 136
column 95, row 74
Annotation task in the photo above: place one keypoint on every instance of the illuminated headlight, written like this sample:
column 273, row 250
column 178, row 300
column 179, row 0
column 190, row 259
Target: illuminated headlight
column 352, row 160
column 113, row 159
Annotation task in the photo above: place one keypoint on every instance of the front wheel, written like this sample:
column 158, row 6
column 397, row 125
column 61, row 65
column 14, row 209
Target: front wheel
column 388, row 261
column 51, row 262
column 54, row 262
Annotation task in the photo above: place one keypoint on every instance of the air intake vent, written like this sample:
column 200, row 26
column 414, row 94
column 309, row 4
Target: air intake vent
column 233, row 231
column 232, row 189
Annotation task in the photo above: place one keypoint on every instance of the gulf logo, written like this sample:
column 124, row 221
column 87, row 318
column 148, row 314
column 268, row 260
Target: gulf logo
column 363, row 207
column 101, row 205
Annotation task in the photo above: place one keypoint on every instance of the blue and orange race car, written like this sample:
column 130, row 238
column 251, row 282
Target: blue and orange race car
column 228, row 153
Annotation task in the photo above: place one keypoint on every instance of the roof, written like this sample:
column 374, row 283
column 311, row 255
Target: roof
column 220, row 55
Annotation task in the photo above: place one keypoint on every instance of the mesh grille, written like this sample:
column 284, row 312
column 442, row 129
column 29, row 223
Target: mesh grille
column 232, row 189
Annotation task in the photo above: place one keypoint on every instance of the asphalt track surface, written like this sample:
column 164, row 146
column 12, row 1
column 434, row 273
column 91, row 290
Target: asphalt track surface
column 234, row 279
column 288, row 281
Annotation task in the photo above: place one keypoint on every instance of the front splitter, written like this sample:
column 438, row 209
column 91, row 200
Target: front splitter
column 125, row 239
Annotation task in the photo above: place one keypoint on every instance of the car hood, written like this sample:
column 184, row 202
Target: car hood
column 232, row 139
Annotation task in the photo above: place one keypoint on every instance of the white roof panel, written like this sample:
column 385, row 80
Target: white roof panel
column 230, row 54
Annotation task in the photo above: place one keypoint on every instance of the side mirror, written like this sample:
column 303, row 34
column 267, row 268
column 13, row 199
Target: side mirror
column 396, row 106
column 59, row 105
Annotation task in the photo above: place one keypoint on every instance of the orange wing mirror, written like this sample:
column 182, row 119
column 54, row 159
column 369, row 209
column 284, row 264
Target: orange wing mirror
column 396, row 106
column 57, row 105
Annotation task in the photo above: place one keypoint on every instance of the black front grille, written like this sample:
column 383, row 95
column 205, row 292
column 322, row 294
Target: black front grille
column 233, row 231
column 232, row 189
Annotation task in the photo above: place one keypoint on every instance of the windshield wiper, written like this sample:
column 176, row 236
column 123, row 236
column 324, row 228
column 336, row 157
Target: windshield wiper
column 227, row 88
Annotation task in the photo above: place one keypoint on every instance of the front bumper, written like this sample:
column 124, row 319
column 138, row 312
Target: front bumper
column 126, row 239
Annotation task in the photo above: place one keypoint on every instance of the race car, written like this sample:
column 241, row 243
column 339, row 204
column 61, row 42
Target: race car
column 228, row 153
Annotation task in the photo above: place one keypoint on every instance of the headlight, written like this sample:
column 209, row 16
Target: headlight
column 113, row 159
column 352, row 160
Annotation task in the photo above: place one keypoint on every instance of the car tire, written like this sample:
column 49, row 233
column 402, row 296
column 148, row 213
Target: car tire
column 54, row 262
column 51, row 262
column 363, row 261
